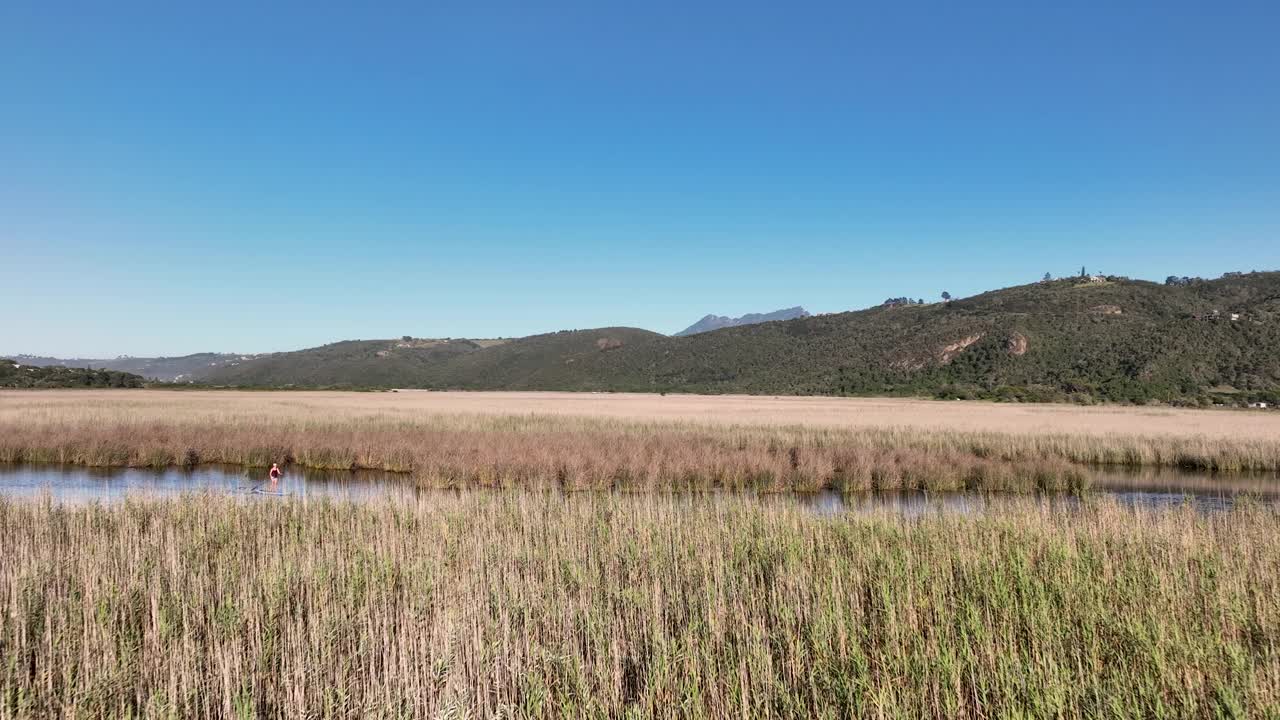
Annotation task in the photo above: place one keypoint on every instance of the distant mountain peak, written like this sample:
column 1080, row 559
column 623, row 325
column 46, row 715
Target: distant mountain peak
column 716, row 322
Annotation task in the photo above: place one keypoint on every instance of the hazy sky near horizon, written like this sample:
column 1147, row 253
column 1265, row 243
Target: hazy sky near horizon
column 181, row 177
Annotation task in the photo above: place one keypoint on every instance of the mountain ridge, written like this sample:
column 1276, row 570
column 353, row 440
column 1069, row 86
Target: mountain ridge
column 1081, row 339
column 717, row 322
column 528, row 363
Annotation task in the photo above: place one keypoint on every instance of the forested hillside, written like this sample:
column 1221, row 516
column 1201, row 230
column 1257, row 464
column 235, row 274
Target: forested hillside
column 538, row 361
column 1082, row 339
column 17, row 375
column 1114, row 339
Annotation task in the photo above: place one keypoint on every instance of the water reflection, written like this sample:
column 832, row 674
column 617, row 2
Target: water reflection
column 913, row 503
column 1148, row 488
column 79, row 484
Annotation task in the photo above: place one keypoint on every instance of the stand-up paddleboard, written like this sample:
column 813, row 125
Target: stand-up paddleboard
column 257, row 490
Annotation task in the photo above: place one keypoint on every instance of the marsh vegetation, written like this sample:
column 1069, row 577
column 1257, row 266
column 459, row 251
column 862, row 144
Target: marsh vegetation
column 400, row 433
column 538, row 605
column 525, row 603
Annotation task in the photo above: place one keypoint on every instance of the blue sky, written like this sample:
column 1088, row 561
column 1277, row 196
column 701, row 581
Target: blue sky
column 180, row 177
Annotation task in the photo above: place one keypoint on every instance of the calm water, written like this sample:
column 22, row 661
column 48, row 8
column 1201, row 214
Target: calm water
column 70, row 483
column 78, row 484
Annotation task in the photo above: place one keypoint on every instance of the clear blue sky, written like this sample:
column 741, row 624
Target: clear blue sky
column 179, row 177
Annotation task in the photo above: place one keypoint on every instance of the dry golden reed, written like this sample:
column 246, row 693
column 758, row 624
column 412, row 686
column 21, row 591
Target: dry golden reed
column 532, row 454
column 823, row 412
column 527, row 605
column 321, row 430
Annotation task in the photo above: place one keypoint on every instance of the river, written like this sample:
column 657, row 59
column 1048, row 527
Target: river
column 75, row 484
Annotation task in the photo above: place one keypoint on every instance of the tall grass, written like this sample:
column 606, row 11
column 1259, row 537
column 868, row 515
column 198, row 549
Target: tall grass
column 528, row 453
column 170, row 429
column 596, row 605
column 579, row 453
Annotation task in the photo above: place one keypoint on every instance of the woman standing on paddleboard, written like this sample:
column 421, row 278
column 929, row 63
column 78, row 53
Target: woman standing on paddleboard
column 275, row 473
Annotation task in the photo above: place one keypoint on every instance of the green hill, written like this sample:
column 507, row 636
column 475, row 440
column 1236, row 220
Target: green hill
column 535, row 362
column 1110, row 339
column 371, row 363
column 1116, row 340
column 17, row 375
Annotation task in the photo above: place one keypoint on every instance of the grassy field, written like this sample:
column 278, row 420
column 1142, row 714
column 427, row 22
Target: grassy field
column 715, row 410
column 534, row 605
column 586, row 441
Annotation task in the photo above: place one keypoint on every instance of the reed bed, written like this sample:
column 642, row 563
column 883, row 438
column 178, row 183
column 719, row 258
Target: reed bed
column 452, row 451
column 719, row 410
column 536, row 605
column 144, row 429
column 529, row 454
